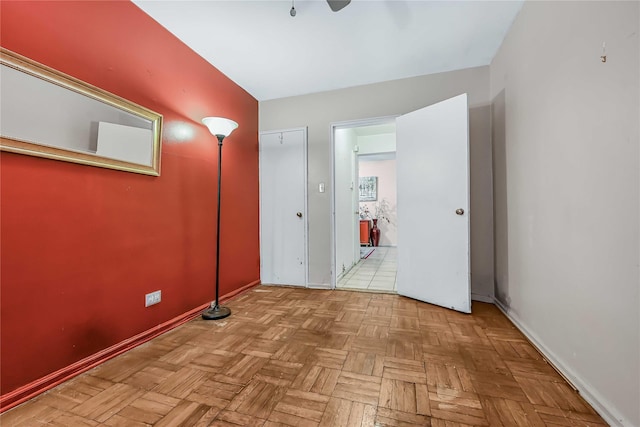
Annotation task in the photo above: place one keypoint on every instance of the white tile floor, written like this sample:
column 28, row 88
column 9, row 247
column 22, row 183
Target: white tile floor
column 376, row 273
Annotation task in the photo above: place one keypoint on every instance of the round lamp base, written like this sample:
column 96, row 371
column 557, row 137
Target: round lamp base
column 215, row 313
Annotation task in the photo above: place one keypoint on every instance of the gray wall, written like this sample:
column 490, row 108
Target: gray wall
column 566, row 152
column 318, row 111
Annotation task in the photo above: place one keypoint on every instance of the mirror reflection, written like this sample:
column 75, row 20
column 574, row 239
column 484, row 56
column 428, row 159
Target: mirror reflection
column 48, row 114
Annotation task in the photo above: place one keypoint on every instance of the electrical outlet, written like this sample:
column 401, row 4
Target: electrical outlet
column 152, row 298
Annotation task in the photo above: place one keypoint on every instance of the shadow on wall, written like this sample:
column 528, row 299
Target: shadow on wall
column 500, row 205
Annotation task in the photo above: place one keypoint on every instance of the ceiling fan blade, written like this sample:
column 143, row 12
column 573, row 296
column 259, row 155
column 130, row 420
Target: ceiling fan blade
column 336, row 5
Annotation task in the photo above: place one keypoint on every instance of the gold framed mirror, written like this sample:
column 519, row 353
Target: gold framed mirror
column 46, row 113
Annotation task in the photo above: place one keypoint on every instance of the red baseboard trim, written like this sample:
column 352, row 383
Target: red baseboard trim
column 233, row 294
column 34, row 388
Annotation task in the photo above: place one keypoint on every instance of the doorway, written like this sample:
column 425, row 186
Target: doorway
column 432, row 157
column 364, row 184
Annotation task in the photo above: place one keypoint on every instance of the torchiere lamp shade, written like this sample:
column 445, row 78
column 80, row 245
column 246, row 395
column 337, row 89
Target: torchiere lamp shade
column 220, row 126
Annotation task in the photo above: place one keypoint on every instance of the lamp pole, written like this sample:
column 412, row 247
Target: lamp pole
column 221, row 128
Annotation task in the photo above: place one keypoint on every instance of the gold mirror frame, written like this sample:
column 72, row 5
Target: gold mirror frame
column 39, row 149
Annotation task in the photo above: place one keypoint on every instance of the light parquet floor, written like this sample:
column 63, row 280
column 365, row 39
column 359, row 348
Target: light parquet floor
column 301, row 357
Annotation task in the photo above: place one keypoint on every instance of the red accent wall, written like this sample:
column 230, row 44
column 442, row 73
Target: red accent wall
column 81, row 245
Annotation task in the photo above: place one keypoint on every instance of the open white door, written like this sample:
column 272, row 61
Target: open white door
column 433, row 204
column 283, row 213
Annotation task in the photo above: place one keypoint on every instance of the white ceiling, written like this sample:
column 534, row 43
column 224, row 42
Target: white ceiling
column 270, row 54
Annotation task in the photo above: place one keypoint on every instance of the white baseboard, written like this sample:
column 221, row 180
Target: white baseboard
column 601, row 405
column 319, row 285
column 482, row 298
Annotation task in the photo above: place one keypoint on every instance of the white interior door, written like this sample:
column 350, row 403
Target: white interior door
column 433, row 204
column 283, row 213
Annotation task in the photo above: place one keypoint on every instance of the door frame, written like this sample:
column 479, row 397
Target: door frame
column 306, row 194
column 341, row 125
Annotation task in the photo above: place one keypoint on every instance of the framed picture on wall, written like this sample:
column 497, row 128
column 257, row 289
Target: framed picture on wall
column 368, row 188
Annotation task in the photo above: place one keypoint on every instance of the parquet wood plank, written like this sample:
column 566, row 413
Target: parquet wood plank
column 101, row 406
column 214, row 394
column 213, row 361
column 184, row 414
column 423, row 405
column 470, row 334
column 151, row 375
column 360, row 363
column 64, row 398
column 449, row 376
column 181, row 383
column 482, row 360
column 362, row 415
column 278, row 333
column 553, row 394
column 115, row 421
column 534, row 369
column 243, row 367
column 505, row 412
column 404, row 370
column 350, row 316
column 398, row 395
column 403, row 348
column 294, row 352
column 558, row 417
column 344, row 328
column 234, row 419
column 404, row 323
column 515, row 348
column 436, row 422
column 457, row 406
column 337, row 413
column 388, row 417
column 497, row 385
column 328, row 358
column 291, row 356
column 66, row 420
column 316, row 379
column 149, row 408
column 368, row 345
column 378, row 312
column 30, row 414
column 259, row 347
column 114, row 372
column 279, row 373
column 372, row 330
column 298, row 408
column 257, row 399
column 182, row 355
column 358, row 388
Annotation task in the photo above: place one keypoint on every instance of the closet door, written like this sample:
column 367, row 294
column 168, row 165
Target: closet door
column 283, row 212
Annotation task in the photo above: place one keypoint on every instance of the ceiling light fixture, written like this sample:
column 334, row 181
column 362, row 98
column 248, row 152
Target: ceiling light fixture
column 292, row 12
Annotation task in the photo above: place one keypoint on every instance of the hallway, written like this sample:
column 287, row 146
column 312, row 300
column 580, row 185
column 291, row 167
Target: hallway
column 375, row 273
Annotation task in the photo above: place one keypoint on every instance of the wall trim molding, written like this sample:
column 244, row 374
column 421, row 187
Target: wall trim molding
column 482, row 298
column 319, row 286
column 34, row 388
column 601, row 405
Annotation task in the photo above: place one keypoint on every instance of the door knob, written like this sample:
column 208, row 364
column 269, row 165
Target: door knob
column 459, row 211
column 299, row 214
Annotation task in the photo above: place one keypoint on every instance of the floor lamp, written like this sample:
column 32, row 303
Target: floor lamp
column 221, row 128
